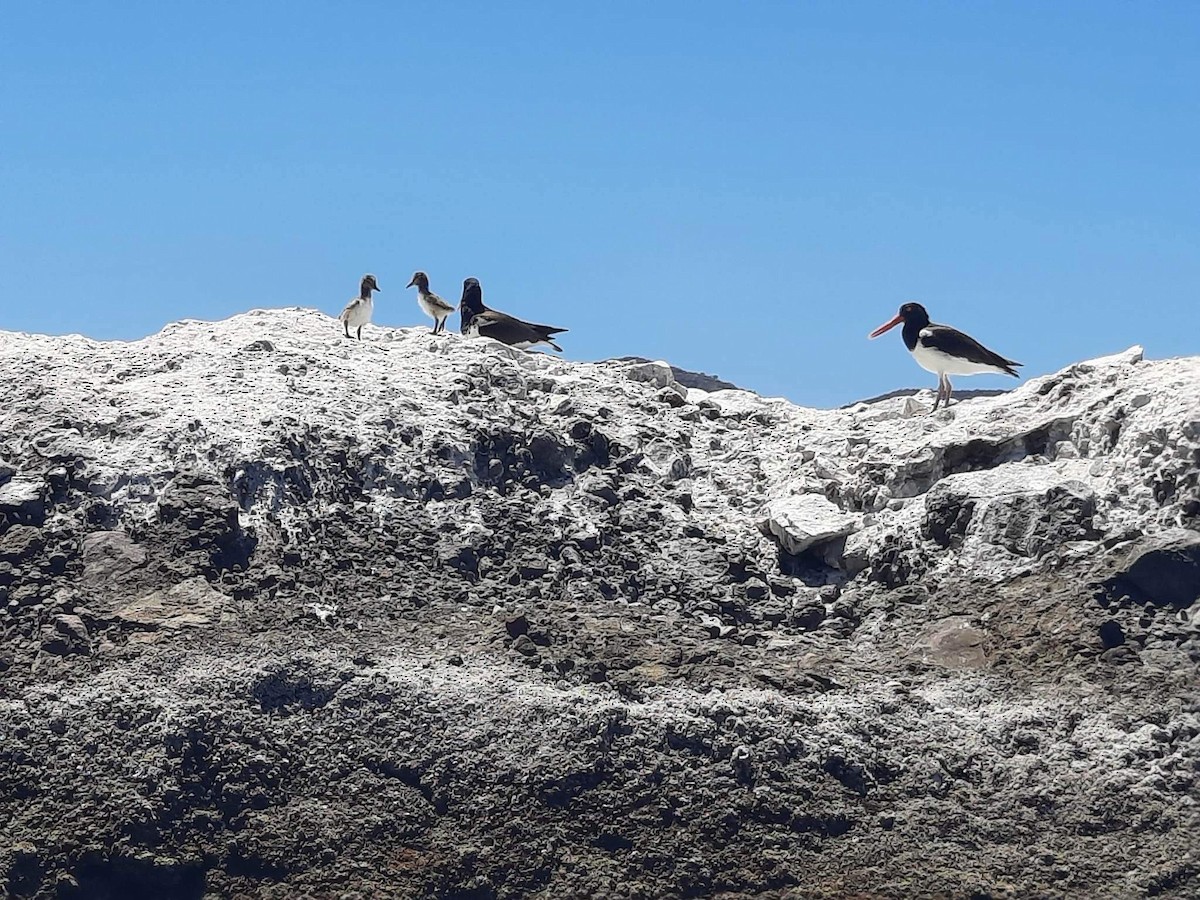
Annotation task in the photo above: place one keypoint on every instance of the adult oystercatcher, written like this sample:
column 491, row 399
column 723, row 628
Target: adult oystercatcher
column 435, row 307
column 478, row 320
column 943, row 350
column 358, row 311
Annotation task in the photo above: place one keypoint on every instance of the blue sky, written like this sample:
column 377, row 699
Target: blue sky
column 745, row 189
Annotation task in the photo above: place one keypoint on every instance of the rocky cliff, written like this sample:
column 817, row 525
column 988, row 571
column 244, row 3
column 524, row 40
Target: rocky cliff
column 287, row 615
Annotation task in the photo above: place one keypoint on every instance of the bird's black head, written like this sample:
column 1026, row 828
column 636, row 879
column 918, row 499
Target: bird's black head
column 368, row 284
column 472, row 297
column 915, row 313
column 911, row 314
column 421, row 280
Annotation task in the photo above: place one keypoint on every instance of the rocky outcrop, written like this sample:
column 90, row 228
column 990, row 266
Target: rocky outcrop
column 807, row 520
column 701, row 380
column 289, row 615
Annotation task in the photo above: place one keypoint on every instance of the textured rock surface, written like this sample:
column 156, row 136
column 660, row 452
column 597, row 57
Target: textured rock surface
column 802, row 522
column 701, row 380
column 286, row 615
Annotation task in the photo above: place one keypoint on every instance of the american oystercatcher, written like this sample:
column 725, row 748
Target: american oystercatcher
column 358, row 311
column 478, row 320
column 435, row 307
column 943, row 350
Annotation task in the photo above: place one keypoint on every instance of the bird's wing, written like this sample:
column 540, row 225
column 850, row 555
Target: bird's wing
column 504, row 328
column 439, row 304
column 956, row 343
column 495, row 317
column 543, row 331
column 352, row 305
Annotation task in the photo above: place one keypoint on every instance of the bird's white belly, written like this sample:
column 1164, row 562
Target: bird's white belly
column 433, row 311
column 358, row 314
column 944, row 364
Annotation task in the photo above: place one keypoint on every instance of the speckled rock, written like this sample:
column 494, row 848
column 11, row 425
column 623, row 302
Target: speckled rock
column 804, row 521
column 286, row 615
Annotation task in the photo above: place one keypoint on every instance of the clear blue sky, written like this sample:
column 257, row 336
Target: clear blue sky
column 740, row 188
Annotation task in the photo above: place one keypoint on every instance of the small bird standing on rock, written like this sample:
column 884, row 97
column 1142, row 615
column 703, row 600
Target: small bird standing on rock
column 435, row 307
column 358, row 311
column 943, row 350
column 478, row 320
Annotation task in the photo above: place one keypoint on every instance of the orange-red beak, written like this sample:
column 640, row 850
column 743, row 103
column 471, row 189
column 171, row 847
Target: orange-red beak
column 886, row 327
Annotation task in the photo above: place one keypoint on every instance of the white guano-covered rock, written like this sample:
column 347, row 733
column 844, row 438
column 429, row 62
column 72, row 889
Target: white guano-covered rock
column 274, row 588
column 805, row 521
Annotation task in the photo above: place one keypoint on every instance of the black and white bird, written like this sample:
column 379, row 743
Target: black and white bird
column 435, row 307
column 945, row 351
column 478, row 320
column 358, row 311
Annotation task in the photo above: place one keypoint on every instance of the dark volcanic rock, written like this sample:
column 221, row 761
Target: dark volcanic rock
column 283, row 615
column 199, row 521
column 1164, row 570
column 21, row 543
column 1034, row 524
column 947, row 515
